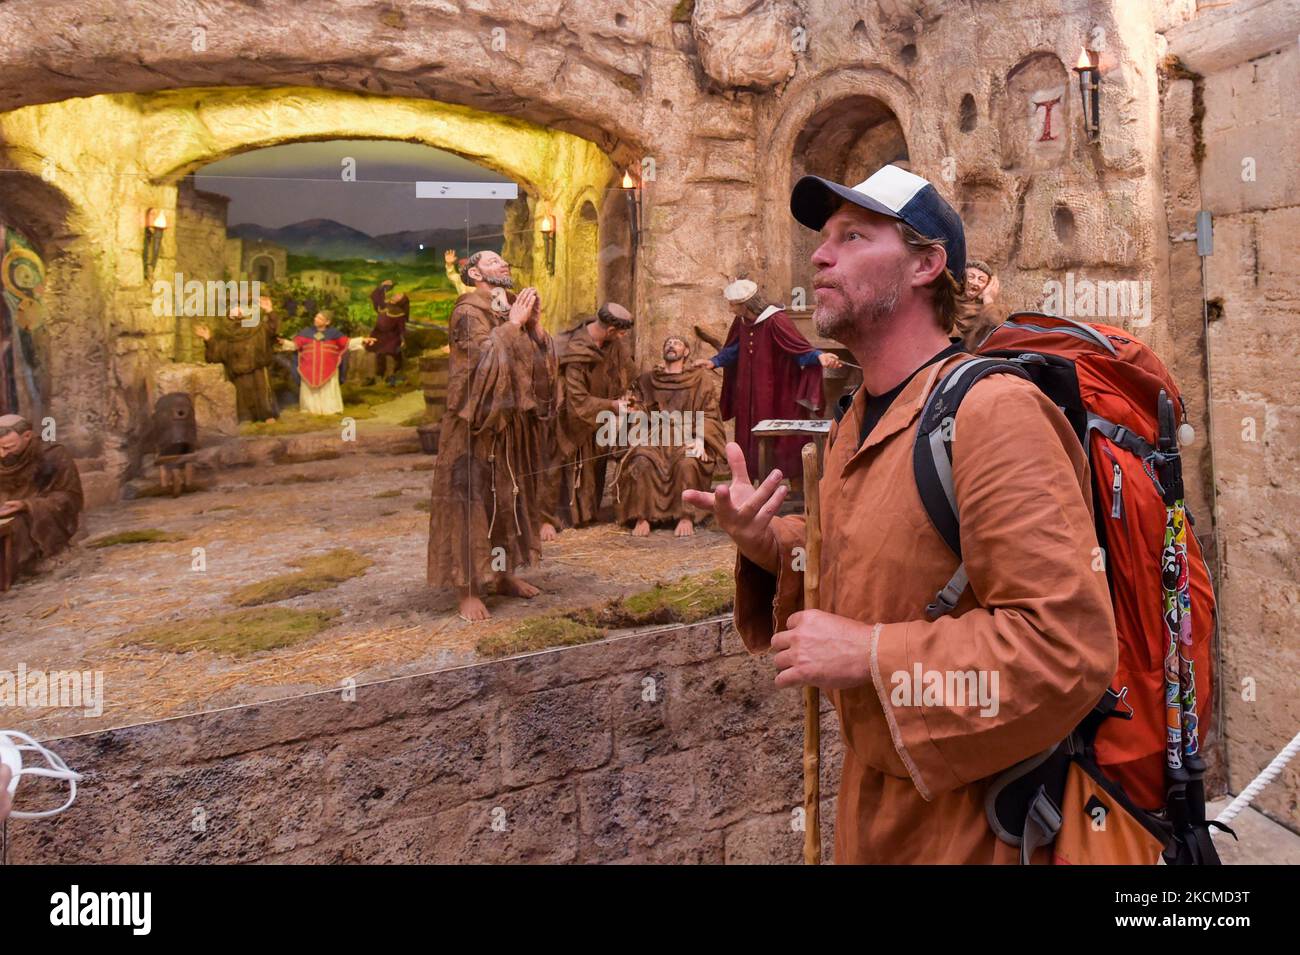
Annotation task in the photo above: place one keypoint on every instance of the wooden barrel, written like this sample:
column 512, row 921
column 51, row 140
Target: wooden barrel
column 433, row 381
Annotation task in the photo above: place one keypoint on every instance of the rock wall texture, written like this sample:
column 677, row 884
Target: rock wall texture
column 1240, row 72
column 663, row 746
column 716, row 107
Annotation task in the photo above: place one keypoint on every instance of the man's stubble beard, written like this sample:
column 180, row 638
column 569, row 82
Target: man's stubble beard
column 843, row 324
column 498, row 282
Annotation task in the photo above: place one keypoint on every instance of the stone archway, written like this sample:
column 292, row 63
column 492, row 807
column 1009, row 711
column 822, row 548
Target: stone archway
column 161, row 138
column 844, row 141
column 832, row 125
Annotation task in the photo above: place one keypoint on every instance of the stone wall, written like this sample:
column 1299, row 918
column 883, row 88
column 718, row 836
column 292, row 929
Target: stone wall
column 667, row 745
column 1237, row 72
column 200, row 254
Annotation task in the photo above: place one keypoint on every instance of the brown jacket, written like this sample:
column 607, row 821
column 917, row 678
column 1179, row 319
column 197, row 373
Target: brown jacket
column 1036, row 613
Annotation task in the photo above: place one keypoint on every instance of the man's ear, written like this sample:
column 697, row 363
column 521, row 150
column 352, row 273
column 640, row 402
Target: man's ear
column 929, row 264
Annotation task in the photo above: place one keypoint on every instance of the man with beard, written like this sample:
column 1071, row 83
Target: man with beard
column 1035, row 615
column 595, row 373
column 486, row 512
column 40, row 494
column 977, row 311
column 247, row 352
column 652, row 476
column 769, row 371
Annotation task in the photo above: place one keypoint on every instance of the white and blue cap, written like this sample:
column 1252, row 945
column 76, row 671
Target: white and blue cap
column 892, row 192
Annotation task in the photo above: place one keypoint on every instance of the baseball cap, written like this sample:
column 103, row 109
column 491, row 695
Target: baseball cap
column 892, row 192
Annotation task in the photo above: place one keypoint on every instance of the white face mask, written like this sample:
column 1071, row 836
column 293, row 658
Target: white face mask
column 12, row 746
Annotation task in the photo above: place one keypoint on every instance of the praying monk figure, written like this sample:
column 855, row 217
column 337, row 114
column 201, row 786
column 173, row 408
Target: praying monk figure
column 247, row 351
column 652, row 477
column 486, row 512
column 595, row 374
column 769, row 371
column 40, row 493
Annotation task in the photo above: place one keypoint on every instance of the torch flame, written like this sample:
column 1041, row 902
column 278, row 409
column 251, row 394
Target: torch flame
column 548, row 224
column 1085, row 60
column 628, row 181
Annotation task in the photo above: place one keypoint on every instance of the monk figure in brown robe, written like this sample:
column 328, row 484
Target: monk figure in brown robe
column 977, row 310
column 485, row 520
column 40, row 493
column 595, row 374
column 247, row 352
column 691, row 440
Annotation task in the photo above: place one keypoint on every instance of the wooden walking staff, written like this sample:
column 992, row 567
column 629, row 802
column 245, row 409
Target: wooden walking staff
column 812, row 731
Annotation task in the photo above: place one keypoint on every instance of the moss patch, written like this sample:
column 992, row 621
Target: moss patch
column 317, row 573
column 424, row 505
column 238, row 633
column 539, row 633
column 149, row 536
column 392, row 493
column 295, row 422
column 687, row 600
column 415, row 420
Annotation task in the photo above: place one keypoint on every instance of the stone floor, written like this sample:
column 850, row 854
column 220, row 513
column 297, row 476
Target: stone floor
column 1260, row 840
column 250, row 522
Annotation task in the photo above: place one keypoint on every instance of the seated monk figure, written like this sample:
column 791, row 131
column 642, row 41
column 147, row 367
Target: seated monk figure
column 40, row 493
column 678, row 444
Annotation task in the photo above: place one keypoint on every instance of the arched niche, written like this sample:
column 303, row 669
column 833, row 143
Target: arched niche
column 583, row 254
column 844, row 141
column 55, row 334
column 1034, row 112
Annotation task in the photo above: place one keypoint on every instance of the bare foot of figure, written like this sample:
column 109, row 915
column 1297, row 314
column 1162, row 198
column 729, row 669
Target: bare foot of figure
column 685, row 528
column 472, row 609
column 642, row 529
column 508, row 585
column 549, row 533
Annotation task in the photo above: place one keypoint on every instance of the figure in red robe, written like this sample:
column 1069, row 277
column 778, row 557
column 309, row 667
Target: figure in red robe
column 768, row 368
column 320, row 353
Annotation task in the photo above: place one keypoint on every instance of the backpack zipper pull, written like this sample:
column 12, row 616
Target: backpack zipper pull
column 1117, row 487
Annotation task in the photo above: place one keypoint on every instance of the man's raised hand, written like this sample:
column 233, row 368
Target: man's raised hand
column 743, row 511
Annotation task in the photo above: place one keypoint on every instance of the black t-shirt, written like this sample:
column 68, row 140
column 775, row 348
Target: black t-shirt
column 877, row 405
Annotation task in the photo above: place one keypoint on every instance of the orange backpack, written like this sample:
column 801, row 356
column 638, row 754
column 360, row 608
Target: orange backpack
column 1141, row 745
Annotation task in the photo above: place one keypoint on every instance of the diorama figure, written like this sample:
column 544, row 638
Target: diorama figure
column 247, row 352
column 977, row 309
column 595, row 373
column 652, row 476
column 769, row 371
column 321, row 350
column 486, row 510
column 40, row 494
column 388, row 336
column 453, row 266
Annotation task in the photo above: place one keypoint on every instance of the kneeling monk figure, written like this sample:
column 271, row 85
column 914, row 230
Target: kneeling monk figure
column 685, row 441
column 40, row 493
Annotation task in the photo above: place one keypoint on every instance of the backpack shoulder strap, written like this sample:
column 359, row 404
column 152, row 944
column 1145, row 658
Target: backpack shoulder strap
column 932, row 461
